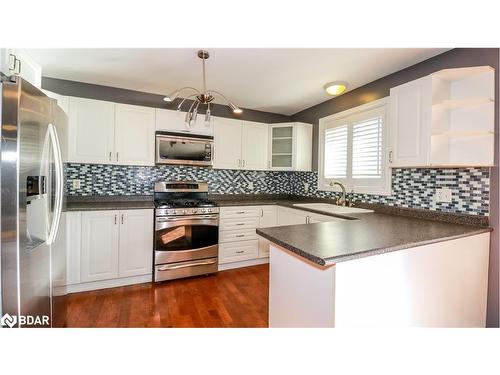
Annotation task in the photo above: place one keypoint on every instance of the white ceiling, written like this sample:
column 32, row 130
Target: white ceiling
column 277, row 80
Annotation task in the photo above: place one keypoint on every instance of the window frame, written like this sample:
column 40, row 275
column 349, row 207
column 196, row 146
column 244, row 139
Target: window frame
column 349, row 117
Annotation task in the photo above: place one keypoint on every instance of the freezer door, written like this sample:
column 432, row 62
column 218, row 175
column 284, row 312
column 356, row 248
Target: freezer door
column 27, row 212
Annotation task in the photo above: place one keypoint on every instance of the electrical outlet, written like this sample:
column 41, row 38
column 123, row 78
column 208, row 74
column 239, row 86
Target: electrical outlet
column 306, row 187
column 76, row 184
column 443, row 195
column 250, row 185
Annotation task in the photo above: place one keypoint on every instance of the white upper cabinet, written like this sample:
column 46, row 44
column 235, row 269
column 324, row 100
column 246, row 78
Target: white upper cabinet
column 290, row 146
column 134, row 135
column 240, row 144
column 136, row 242
column 104, row 132
column 445, row 119
column 410, row 107
column 173, row 121
column 91, row 131
column 18, row 62
column 62, row 101
column 227, row 139
column 254, row 149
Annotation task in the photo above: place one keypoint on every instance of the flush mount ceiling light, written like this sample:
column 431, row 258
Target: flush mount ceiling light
column 335, row 88
column 204, row 97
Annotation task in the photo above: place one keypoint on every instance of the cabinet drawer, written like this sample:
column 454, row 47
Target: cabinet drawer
column 238, row 251
column 237, row 235
column 235, row 212
column 241, row 223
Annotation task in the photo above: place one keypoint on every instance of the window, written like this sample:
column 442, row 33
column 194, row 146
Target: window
column 353, row 149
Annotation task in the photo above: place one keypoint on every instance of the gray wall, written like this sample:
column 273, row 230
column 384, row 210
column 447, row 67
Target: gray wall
column 118, row 95
column 456, row 58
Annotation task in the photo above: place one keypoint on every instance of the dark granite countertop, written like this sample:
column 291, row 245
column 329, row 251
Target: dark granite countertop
column 371, row 234
column 385, row 230
column 96, row 203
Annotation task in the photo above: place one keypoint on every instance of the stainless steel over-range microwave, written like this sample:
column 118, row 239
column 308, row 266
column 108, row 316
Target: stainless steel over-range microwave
column 187, row 149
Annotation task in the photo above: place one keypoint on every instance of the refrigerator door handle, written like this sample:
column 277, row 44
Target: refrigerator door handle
column 54, row 141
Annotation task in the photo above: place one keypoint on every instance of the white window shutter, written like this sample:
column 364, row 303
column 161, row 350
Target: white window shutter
column 336, row 143
column 367, row 148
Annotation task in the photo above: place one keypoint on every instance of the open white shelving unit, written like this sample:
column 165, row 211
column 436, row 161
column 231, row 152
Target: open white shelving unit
column 462, row 125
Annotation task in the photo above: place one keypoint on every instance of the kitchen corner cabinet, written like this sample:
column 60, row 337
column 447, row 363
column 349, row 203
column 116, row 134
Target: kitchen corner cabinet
column 290, row 146
column 18, row 62
column 240, row 144
column 445, row 119
column 116, row 244
column 293, row 216
column 104, row 132
column 173, row 121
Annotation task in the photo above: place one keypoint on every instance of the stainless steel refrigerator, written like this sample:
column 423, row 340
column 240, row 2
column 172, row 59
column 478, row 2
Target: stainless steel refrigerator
column 32, row 204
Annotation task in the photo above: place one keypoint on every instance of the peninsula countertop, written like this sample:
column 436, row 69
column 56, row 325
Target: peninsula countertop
column 364, row 235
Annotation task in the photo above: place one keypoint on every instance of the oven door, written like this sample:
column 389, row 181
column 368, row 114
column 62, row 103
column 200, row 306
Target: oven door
column 181, row 238
column 183, row 150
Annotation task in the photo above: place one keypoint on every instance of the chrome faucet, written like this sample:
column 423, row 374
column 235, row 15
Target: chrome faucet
column 342, row 200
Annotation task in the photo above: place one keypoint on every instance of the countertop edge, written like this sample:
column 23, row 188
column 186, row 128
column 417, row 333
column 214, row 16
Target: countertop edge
column 366, row 253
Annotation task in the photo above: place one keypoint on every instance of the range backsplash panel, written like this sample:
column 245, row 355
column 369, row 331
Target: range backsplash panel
column 411, row 187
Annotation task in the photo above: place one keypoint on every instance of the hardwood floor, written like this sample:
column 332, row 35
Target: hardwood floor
column 233, row 298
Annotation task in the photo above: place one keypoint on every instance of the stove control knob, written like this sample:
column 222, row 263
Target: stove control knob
column 194, row 210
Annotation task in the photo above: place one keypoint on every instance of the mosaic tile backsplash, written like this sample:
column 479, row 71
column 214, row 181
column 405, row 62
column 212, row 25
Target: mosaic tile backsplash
column 412, row 188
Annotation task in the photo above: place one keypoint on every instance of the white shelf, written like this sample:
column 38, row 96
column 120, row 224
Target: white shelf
column 465, row 133
column 462, row 103
column 462, row 73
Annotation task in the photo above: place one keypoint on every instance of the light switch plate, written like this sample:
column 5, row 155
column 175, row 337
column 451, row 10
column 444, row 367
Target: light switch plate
column 250, row 185
column 306, row 187
column 443, row 195
column 76, row 184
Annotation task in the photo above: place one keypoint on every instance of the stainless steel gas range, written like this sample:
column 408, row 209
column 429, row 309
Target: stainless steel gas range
column 186, row 230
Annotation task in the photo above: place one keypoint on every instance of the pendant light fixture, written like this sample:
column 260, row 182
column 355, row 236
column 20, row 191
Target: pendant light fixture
column 204, row 97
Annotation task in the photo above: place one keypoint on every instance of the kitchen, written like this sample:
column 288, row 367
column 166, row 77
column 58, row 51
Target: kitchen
column 186, row 210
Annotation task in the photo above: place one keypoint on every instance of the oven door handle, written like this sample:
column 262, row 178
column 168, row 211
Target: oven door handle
column 182, row 218
column 190, row 264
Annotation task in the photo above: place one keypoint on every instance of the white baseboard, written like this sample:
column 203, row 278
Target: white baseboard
column 113, row 283
column 244, row 263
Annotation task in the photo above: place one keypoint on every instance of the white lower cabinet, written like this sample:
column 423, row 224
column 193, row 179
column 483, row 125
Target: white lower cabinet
column 100, row 245
column 109, row 246
column 136, row 243
column 292, row 216
column 238, row 240
column 268, row 218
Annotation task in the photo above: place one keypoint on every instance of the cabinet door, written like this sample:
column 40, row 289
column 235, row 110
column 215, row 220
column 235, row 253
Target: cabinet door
column 268, row 218
column 136, row 242
column 99, row 259
column 410, row 106
column 18, row 62
column 254, row 147
column 91, row 131
column 74, row 242
column 288, row 216
column 173, row 121
column 134, row 135
column 318, row 218
column 227, row 139
column 281, row 146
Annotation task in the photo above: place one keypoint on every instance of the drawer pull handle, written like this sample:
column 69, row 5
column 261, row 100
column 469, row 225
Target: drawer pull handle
column 240, row 252
column 240, row 235
column 240, row 212
column 240, row 223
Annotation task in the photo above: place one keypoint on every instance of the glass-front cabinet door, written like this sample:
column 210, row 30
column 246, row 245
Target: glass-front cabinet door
column 281, row 147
